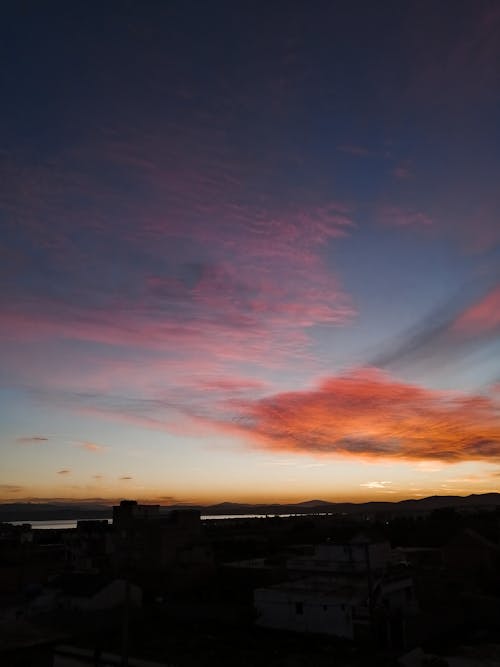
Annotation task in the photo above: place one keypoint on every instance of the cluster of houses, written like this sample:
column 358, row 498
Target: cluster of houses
column 348, row 590
column 357, row 589
column 98, row 566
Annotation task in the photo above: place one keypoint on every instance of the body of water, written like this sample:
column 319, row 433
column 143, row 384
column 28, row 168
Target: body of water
column 51, row 524
column 71, row 523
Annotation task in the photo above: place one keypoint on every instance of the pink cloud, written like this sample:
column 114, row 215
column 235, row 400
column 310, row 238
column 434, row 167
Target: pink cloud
column 399, row 217
column 352, row 149
column 402, row 172
column 482, row 317
column 233, row 385
column 263, row 280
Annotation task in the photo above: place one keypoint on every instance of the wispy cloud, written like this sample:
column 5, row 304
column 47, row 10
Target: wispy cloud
column 403, row 171
column 6, row 489
column 482, row 317
column 376, row 485
column 400, row 217
column 458, row 327
column 353, row 149
column 64, row 471
column 32, row 440
column 91, row 447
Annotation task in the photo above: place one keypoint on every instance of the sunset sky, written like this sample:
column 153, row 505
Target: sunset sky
column 250, row 251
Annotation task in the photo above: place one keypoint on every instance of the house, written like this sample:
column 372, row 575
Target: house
column 107, row 596
column 316, row 605
column 87, row 592
column 336, row 606
column 359, row 556
column 350, row 590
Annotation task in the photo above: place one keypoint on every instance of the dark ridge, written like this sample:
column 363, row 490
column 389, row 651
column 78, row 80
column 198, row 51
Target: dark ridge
column 31, row 511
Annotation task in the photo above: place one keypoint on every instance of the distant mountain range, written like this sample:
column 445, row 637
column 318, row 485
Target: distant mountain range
column 35, row 511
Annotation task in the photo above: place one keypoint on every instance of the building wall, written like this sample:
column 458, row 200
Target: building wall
column 398, row 594
column 291, row 611
column 344, row 558
column 109, row 597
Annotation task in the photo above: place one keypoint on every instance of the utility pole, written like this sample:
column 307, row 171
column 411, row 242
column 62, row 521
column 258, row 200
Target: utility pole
column 370, row 589
column 125, row 622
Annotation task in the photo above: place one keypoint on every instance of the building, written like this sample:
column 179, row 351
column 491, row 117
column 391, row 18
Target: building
column 167, row 547
column 349, row 590
column 316, row 605
column 89, row 546
column 359, row 556
column 86, row 592
column 26, row 562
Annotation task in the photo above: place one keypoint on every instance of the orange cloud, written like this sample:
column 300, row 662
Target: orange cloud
column 92, row 447
column 369, row 414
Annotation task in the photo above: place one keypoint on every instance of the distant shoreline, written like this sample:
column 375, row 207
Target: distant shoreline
column 67, row 524
column 33, row 512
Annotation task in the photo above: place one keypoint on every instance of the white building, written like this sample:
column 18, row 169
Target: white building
column 312, row 605
column 342, row 589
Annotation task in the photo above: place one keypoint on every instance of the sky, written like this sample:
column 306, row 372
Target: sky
column 249, row 250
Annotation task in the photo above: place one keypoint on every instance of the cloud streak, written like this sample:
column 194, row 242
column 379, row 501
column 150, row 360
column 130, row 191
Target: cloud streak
column 32, row 440
column 376, row 484
column 481, row 318
column 7, row 489
column 92, row 447
column 456, row 329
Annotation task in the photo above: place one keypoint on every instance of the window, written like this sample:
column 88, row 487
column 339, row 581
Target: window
column 299, row 608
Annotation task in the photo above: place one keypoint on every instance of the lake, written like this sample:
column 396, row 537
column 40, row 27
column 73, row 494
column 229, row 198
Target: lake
column 71, row 523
